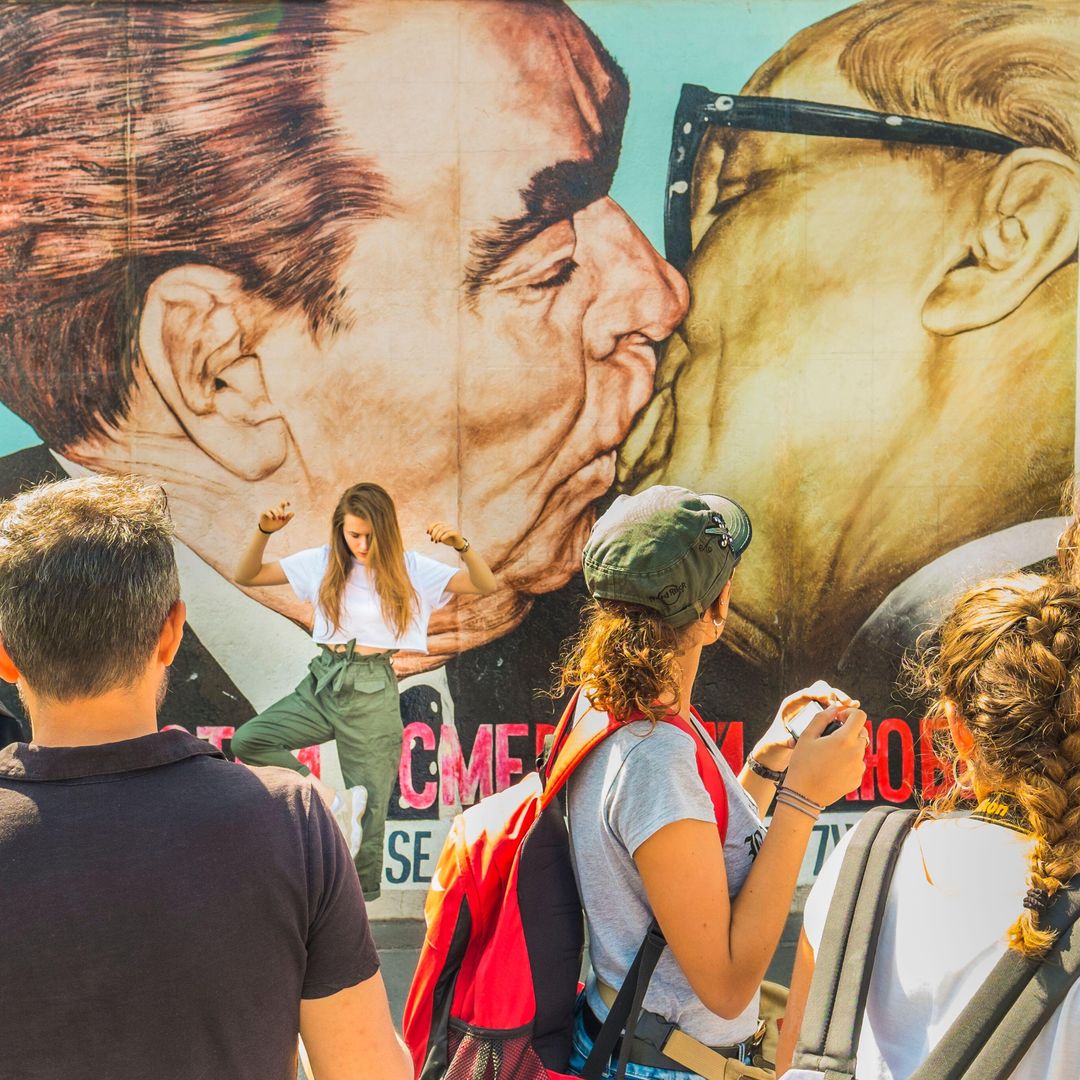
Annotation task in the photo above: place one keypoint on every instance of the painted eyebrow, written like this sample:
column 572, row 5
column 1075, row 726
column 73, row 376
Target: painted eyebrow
column 554, row 194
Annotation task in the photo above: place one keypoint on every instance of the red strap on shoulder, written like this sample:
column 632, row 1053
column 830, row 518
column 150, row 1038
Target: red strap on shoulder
column 572, row 743
column 707, row 768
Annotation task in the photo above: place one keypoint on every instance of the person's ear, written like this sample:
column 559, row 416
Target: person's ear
column 962, row 738
column 8, row 671
column 723, row 601
column 172, row 633
column 1025, row 227
column 197, row 336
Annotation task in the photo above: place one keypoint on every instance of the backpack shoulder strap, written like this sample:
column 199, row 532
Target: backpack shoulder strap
column 831, row 1026
column 623, row 1015
column 708, row 769
column 571, row 744
column 1005, row 1015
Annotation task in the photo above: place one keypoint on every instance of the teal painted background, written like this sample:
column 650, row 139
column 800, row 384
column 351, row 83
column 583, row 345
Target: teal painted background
column 660, row 44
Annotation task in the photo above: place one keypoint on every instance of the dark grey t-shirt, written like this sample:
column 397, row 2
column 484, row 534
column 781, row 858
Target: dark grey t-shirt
column 171, row 909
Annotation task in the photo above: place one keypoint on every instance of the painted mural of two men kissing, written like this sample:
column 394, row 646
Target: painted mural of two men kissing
column 260, row 252
column 253, row 287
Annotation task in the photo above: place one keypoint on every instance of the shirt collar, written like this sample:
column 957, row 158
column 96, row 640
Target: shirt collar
column 26, row 761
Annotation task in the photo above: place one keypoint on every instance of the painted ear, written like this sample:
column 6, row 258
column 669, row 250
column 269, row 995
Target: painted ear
column 197, row 339
column 1025, row 228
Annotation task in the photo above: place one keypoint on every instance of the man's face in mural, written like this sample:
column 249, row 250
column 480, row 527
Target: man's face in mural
column 506, row 308
column 499, row 314
column 830, row 370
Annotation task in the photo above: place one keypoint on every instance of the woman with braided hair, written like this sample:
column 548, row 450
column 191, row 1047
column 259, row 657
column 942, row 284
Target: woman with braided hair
column 984, row 860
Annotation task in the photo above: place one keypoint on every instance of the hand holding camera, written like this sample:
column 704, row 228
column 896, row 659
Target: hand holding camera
column 828, row 760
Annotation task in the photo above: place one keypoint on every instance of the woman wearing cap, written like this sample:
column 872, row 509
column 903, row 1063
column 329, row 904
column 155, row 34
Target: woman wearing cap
column 643, row 826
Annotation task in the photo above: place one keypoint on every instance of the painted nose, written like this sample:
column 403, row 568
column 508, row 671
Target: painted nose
column 637, row 291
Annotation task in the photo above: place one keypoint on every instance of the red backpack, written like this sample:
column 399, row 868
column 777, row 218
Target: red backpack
column 495, row 988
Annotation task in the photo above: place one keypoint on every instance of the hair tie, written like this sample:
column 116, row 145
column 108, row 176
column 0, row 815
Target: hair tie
column 1037, row 900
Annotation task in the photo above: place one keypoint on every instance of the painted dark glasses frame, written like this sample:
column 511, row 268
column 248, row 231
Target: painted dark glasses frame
column 699, row 108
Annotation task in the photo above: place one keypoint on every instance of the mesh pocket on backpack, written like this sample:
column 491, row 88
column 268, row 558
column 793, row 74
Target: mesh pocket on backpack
column 492, row 1055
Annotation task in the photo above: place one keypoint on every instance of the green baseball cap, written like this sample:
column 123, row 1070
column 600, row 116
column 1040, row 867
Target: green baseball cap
column 667, row 549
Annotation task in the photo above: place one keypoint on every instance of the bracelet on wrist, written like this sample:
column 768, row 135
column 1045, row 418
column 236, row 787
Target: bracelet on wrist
column 464, row 547
column 755, row 766
column 265, row 532
column 797, row 796
column 783, row 798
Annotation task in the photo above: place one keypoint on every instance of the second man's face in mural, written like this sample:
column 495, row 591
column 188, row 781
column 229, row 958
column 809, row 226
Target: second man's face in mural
column 498, row 316
column 832, row 366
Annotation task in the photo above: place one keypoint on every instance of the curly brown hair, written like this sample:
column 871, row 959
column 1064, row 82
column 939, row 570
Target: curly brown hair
column 625, row 658
column 1008, row 658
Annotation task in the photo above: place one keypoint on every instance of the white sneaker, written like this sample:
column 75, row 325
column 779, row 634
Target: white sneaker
column 349, row 806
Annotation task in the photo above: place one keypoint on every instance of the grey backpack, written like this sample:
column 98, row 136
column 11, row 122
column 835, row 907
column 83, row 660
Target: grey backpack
column 996, row 1027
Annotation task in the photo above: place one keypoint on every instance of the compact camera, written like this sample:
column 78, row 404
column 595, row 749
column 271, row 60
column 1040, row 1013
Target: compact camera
column 801, row 721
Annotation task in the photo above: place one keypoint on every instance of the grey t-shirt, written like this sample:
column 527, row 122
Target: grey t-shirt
column 633, row 784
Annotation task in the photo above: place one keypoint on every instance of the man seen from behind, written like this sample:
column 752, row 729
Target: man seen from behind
column 178, row 916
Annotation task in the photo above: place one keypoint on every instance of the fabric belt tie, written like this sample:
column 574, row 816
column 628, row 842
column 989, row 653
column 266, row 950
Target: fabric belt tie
column 336, row 664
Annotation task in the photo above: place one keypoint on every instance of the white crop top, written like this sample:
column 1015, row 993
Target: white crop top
column 361, row 614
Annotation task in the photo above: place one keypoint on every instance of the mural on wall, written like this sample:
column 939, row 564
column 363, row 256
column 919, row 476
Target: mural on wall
column 264, row 251
column 880, row 353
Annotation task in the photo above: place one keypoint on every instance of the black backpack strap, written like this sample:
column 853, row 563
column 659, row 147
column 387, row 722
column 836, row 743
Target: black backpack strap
column 1005, row 1015
column 626, row 1008
column 832, row 1023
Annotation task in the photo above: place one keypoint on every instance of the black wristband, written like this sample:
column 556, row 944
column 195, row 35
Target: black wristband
column 265, row 532
column 764, row 771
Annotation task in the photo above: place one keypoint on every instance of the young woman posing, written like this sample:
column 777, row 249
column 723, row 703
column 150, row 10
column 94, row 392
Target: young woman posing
column 1004, row 676
column 371, row 599
column 643, row 828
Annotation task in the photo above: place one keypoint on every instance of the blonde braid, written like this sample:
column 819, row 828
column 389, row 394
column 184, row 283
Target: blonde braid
column 1051, row 797
column 1008, row 657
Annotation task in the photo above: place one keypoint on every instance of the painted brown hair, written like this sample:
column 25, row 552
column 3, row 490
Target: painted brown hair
column 1008, row 657
column 386, row 558
column 143, row 136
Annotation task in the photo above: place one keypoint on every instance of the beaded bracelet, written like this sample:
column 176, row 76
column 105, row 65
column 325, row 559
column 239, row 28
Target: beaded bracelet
column 764, row 771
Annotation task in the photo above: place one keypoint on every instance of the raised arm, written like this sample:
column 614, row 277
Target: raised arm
column 251, row 569
column 476, row 579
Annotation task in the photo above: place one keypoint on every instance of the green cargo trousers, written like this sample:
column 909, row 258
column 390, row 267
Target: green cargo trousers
column 353, row 699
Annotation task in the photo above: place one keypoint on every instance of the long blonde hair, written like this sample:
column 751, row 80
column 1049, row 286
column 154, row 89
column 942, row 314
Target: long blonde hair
column 1008, row 657
column 385, row 560
column 625, row 658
